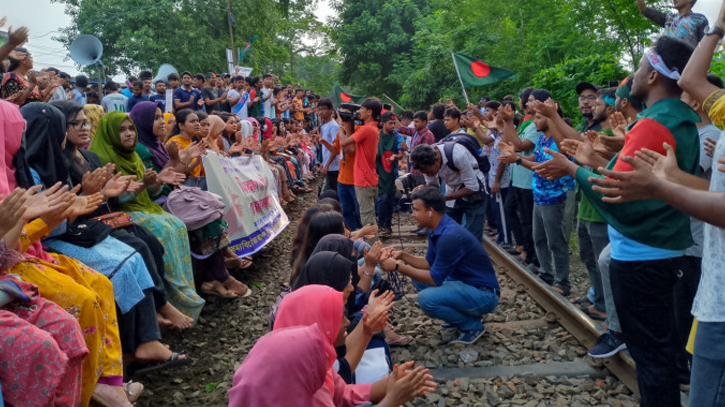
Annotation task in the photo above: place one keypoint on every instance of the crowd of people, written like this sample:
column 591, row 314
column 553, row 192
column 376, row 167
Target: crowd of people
column 109, row 234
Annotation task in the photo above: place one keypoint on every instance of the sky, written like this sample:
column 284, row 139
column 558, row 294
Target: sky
column 44, row 19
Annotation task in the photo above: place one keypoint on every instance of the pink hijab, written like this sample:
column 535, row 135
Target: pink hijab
column 12, row 138
column 314, row 304
column 284, row 368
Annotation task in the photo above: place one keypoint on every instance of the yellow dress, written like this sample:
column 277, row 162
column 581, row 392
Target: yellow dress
column 88, row 296
column 183, row 144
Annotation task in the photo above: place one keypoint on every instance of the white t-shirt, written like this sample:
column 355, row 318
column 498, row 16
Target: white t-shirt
column 267, row 103
column 709, row 304
column 697, row 226
column 114, row 102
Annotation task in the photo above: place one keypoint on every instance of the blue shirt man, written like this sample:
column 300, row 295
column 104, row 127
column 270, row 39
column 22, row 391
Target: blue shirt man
column 456, row 280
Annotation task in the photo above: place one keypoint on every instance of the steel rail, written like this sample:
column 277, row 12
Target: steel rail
column 560, row 310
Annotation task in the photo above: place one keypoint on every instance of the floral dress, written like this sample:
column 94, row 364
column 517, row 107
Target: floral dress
column 85, row 294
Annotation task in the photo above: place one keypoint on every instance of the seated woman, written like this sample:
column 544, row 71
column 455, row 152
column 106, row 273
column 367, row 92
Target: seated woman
column 149, row 123
column 36, row 332
column 322, row 224
column 121, row 263
column 83, row 292
column 93, row 114
column 115, row 143
column 78, row 163
column 324, row 307
column 183, row 134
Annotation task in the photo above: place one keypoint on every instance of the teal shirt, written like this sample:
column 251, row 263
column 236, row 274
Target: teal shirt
column 520, row 175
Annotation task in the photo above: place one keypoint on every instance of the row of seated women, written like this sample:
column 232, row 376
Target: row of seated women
column 336, row 312
column 92, row 265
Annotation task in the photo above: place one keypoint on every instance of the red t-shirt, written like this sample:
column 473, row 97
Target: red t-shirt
column 367, row 138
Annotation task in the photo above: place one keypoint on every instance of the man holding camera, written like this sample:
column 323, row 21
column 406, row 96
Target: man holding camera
column 456, row 280
column 366, row 140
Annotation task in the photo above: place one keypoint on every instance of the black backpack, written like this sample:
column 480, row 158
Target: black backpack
column 471, row 144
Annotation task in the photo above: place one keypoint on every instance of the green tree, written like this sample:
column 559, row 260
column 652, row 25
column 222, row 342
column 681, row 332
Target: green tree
column 372, row 36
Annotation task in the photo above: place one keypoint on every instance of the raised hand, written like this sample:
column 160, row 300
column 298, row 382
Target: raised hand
column 583, row 150
column 663, row 166
column 625, row 186
column 404, row 385
column 506, row 113
column 618, row 124
column 613, row 144
column 18, row 37
column 117, row 185
column 83, row 205
column 372, row 255
column 94, row 181
column 549, row 109
column 149, row 177
column 173, row 149
column 508, row 151
column 554, row 168
column 710, row 144
column 11, row 210
column 171, row 177
column 368, row 231
column 40, row 203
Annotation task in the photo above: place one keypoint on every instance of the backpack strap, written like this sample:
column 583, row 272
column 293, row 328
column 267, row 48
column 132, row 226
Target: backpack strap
column 448, row 151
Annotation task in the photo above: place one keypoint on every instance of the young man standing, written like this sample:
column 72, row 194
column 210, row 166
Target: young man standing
column 255, row 97
column 160, row 96
column 113, row 101
column 648, row 237
column 435, row 121
column 365, row 140
column 147, row 78
column 420, row 134
column 456, row 280
column 328, row 133
column 137, row 96
column 212, row 97
column 79, row 92
column 386, row 165
column 683, row 25
column 173, row 81
column 298, row 110
column 186, row 97
column 550, row 200
column 587, row 100
column 222, row 89
column 267, row 96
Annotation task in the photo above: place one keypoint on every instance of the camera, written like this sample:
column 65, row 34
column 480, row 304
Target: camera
column 350, row 114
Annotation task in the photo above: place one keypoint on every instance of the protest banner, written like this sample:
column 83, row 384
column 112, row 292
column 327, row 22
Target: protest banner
column 253, row 212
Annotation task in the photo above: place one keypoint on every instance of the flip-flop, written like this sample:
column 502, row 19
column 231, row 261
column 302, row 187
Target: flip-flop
column 401, row 341
column 139, row 368
column 592, row 315
column 580, row 300
column 214, row 292
column 133, row 391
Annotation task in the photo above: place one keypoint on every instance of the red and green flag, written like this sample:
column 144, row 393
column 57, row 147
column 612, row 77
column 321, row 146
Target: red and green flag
column 340, row 96
column 242, row 52
column 473, row 72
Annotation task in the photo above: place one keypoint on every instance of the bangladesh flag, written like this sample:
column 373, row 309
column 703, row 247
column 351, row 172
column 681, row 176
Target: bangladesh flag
column 242, row 52
column 474, row 72
column 340, row 96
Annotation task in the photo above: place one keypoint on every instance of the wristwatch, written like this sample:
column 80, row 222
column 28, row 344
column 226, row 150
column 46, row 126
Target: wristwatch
column 518, row 161
column 716, row 30
column 397, row 266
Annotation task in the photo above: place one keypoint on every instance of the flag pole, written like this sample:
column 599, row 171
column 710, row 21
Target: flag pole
column 459, row 78
column 394, row 102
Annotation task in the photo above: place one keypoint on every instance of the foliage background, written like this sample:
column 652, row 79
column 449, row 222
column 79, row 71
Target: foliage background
column 400, row 48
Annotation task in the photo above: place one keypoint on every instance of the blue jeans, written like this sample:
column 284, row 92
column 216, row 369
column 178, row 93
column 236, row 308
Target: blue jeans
column 350, row 208
column 384, row 207
column 457, row 303
column 474, row 219
column 708, row 365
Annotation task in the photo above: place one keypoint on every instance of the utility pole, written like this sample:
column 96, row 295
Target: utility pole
column 231, row 33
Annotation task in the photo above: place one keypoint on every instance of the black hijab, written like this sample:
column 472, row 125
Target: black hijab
column 44, row 136
column 326, row 268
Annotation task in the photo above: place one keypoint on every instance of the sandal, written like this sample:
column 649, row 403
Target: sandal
column 240, row 263
column 133, row 390
column 233, row 281
column 580, row 300
column 401, row 341
column 213, row 288
column 593, row 315
column 137, row 368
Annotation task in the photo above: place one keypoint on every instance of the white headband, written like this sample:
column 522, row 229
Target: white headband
column 659, row 65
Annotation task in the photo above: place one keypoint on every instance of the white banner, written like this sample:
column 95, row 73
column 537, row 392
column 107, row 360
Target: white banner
column 248, row 189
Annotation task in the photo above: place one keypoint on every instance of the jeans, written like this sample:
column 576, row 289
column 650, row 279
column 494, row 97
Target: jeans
column 708, row 366
column 474, row 219
column 688, row 278
column 504, row 230
column 643, row 293
column 593, row 238
column 366, row 201
column 331, row 180
column 350, row 208
column 552, row 244
column 512, row 217
column 525, row 202
column 384, row 204
column 457, row 303
column 605, row 257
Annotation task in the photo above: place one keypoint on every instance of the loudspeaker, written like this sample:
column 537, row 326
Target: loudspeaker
column 164, row 71
column 86, row 49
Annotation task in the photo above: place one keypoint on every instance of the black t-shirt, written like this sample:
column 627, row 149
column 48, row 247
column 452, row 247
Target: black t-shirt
column 438, row 129
column 213, row 94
